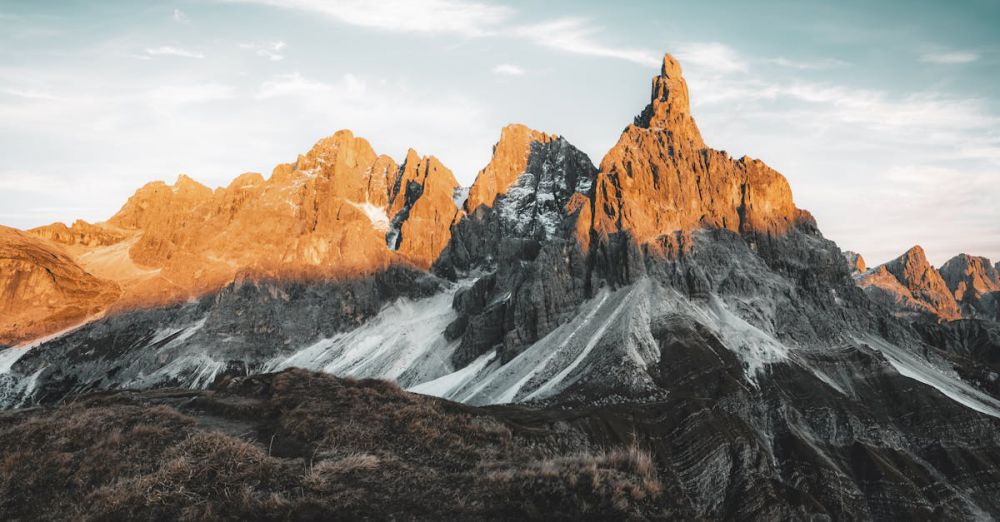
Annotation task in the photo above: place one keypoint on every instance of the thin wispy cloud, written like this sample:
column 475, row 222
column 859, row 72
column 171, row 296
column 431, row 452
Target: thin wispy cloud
column 411, row 16
column 174, row 95
column 180, row 17
column 270, row 50
column 711, row 56
column 579, row 36
column 808, row 65
column 506, row 69
column 19, row 181
column 169, row 50
column 297, row 85
column 950, row 57
column 575, row 35
column 32, row 94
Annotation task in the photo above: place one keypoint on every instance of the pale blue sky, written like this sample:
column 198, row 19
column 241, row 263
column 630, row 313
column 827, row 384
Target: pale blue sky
column 885, row 118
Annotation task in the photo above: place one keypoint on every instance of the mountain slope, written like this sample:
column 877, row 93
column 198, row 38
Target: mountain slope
column 672, row 294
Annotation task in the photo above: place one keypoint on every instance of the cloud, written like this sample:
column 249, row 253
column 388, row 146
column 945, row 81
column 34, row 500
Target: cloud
column 174, row 95
column 16, row 181
column 413, row 16
column 506, row 69
column 167, row 50
column 296, row 85
column 180, row 17
column 270, row 50
column 820, row 64
column 950, row 57
column 576, row 35
column 32, row 94
column 711, row 56
column 473, row 19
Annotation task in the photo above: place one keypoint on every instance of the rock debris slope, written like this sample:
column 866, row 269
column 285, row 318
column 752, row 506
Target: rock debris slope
column 673, row 295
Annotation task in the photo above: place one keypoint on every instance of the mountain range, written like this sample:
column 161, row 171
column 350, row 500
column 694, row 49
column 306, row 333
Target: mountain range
column 672, row 298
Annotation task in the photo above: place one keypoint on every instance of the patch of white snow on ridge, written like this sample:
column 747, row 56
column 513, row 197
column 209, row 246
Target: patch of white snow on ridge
column 755, row 347
column 185, row 333
column 597, row 337
column 449, row 383
column 557, row 360
column 947, row 382
column 375, row 214
column 197, row 371
column 404, row 342
column 10, row 356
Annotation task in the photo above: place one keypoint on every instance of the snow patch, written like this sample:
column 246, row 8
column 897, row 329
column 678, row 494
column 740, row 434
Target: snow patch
column 375, row 214
column 10, row 356
column 755, row 347
column 186, row 332
column 404, row 342
column 945, row 381
column 446, row 384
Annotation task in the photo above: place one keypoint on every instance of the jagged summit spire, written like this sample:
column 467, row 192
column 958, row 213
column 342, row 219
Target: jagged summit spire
column 669, row 105
column 671, row 68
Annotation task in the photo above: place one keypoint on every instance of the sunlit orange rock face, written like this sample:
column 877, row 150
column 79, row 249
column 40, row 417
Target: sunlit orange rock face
column 341, row 210
column 42, row 289
column 660, row 179
column 912, row 286
column 970, row 277
column 509, row 161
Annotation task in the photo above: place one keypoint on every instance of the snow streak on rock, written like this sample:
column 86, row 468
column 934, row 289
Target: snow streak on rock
column 404, row 342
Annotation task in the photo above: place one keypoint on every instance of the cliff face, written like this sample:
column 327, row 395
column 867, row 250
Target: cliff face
column 912, row 286
column 43, row 290
column 509, row 161
column 975, row 283
column 660, row 180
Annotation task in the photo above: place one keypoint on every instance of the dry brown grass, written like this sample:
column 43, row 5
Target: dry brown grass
column 300, row 445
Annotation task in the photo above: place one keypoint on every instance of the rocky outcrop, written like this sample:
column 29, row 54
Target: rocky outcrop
column 509, row 161
column 422, row 209
column 532, row 237
column 42, row 290
column 660, row 182
column 911, row 286
column 80, row 233
column 855, row 262
column 975, row 283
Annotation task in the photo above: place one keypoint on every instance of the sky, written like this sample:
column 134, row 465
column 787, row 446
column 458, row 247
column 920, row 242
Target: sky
column 884, row 116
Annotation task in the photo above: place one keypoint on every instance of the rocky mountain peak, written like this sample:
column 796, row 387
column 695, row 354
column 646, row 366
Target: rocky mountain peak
column 910, row 282
column 855, row 262
column 509, row 160
column 970, row 277
column 670, row 105
column 660, row 180
column 80, row 233
column 422, row 209
column 185, row 183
